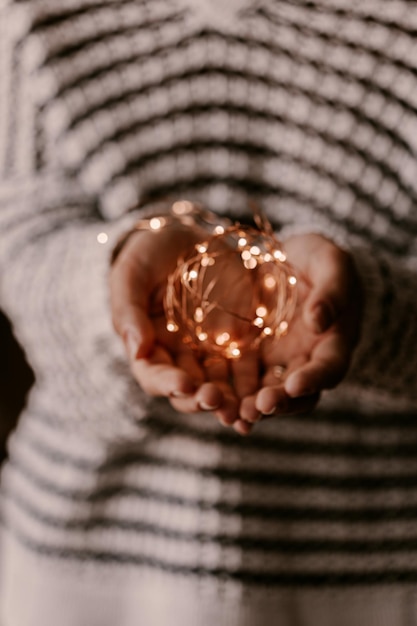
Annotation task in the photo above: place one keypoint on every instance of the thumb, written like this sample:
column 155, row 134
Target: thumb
column 137, row 333
column 331, row 275
column 129, row 299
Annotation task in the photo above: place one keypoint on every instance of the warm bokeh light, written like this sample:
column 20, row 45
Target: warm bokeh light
column 232, row 291
column 102, row 238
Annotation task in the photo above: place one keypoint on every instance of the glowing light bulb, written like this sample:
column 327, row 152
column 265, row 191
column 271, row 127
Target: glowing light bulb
column 261, row 310
column 269, row 281
column 222, row 339
column 102, row 238
column 251, row 263
column 156, row 223
column 233, row 350
column 182, row 207
column 198, row 314
column 283, row 327
column 278, row 371
column 201, row 302
column 280, row 256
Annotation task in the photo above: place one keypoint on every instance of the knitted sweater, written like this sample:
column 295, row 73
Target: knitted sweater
column 114, row 508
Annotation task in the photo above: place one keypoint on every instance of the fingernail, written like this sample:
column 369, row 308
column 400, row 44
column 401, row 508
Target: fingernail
column 179, row 394
column 322, row 317
column 243, row 428
column 132, row 343
column 271, row 411
column 208, row 407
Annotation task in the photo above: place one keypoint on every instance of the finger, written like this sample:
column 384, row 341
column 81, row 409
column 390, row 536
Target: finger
column 331, row 274
column 217, row 372
column 129, row 299
column 245, row 372
column 248, row 411
column 208, row 397
column 228, row 413
column 328, row 365
column 271, row 400
column 276, row 374
column 242, row 427
column 159, row 376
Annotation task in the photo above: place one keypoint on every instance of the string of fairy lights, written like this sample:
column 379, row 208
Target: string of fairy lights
column 233, row 289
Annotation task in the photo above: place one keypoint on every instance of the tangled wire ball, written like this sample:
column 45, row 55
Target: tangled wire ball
column 234, row 290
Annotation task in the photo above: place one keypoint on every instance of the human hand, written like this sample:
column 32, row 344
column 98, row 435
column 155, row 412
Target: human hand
column 316, row 353
column 160, row 361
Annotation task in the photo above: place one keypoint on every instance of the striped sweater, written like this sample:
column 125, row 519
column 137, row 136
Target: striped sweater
column 114, row 508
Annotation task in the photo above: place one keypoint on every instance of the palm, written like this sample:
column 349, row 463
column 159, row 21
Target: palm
column 292, row 349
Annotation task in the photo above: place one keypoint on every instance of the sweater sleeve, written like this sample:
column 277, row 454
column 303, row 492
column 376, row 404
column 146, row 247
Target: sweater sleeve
column 55, row 243
column 54, row 264
column 384, row 367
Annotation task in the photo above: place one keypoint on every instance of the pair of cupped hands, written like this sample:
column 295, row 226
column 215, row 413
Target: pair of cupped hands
column 314, row 355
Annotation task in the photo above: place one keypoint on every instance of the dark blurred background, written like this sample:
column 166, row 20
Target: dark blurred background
column 16, row 378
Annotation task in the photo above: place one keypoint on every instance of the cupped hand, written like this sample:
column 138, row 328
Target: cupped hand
column 160, row 361
column 317, row 350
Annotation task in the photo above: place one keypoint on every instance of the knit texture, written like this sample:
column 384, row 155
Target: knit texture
column 307, row 107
